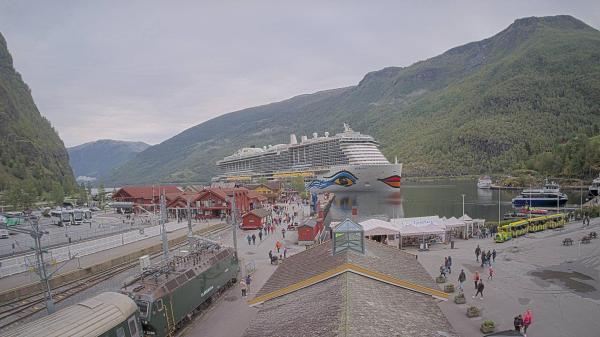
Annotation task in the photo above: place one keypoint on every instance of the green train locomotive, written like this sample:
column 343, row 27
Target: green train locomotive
column 168, row 295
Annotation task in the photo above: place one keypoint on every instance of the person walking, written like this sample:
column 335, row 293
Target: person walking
column 462, row 277
column 449, row 265
column 278, row 245
column 518, row 323
column 254, row 239
column 527, row 320
column 260, row 234
column 494, row 255
column 482, row 260
column 270, row 255
column 488, row 258
column 477, row 252
column 284, row 252
column 480, row 287
column 248, row 281
column 244, row 287
column 283, row 232
column 249, row 238
column 476, row 278
column 490, row 273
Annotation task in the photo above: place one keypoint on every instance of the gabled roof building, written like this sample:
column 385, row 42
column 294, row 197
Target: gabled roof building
column 350, row 287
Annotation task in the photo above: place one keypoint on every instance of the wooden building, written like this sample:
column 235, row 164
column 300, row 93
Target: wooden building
column 144, row 197
column 255, row 219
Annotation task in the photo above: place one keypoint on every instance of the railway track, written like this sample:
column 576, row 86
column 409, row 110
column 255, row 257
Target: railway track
column 14, row 311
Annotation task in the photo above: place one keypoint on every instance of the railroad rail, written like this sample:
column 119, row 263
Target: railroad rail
column 16, row 310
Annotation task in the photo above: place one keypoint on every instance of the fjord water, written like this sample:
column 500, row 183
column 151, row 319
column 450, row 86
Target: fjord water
column 440, row 197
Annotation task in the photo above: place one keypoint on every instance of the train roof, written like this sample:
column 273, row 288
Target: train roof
column 92, row 317
column 154, row 285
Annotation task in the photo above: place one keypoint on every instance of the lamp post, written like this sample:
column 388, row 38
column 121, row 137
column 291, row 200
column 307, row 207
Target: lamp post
column 499, row 192
column 463, row 204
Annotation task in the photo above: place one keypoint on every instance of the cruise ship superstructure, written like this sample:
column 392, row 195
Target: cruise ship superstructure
column 346, row 161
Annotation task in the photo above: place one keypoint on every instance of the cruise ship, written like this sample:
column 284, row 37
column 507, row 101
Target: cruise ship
column 347, row 161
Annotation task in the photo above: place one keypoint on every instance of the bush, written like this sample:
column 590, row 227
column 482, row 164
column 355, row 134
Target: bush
column 460, row 298
column 473, row 311
column 488, row 326
column 440, row 279
column 449, row 288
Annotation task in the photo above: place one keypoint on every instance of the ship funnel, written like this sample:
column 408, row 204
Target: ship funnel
column 326, row 134
column 303, row 139
column 293, row 139
column 315, row 135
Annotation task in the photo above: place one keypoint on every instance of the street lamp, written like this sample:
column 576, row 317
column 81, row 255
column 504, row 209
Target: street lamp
column 463, row 204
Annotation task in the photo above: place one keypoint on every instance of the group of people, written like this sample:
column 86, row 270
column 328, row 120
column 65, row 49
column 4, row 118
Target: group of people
column 486, row 258
column 446, row 267
column 245, row 285
column 522, row 322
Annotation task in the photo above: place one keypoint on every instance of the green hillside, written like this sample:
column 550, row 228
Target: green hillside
column 96, row 159
column 31, row 153
column 487, row 106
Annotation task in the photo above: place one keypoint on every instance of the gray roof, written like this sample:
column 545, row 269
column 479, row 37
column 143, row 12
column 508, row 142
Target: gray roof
column 349, row 304
column 309, row 222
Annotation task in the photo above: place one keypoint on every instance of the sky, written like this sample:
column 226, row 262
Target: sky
column 147, row 70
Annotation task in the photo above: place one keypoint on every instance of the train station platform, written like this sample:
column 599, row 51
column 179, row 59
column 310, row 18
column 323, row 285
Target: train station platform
column 24, row 283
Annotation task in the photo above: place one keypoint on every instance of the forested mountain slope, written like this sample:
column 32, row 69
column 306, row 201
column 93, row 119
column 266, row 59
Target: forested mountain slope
column 31, row 152
column 486, row 106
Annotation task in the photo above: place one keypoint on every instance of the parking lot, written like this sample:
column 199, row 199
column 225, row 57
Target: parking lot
column 102, row 223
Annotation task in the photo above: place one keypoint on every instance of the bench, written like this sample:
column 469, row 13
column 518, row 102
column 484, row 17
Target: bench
column 593, row 235
column 585, row 239
column 567, row 242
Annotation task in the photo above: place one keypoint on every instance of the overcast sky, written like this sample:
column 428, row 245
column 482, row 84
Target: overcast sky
column 147, row 70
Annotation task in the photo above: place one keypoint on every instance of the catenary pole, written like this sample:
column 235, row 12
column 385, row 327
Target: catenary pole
column 163, row 216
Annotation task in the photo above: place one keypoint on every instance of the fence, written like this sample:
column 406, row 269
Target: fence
column 19, row 264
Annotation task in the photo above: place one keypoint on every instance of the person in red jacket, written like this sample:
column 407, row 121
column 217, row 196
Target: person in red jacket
column 527, row 320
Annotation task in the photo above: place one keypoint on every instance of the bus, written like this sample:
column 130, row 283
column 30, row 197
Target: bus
column 77, row 217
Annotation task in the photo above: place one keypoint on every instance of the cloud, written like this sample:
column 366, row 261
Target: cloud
column 146, row 70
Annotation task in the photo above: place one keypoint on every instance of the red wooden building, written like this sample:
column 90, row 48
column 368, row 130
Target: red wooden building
column 144, row 197
column 254, row 219
column 310, row 229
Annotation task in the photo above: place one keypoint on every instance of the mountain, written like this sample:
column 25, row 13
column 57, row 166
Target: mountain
column 30, row 149
column 486, row 106
column 94, row 160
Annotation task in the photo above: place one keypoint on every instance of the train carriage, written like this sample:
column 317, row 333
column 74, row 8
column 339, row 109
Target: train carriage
column 167, row 296
column 106, row 315
column 522, row 227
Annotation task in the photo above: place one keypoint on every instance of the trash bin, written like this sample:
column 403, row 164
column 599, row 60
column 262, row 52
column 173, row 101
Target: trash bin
column 451, row 244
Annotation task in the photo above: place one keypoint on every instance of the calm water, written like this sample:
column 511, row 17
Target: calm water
column 441, row 198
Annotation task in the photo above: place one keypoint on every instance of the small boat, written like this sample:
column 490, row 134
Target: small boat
column 484, row 182
column 594, row 189
column 547, row 196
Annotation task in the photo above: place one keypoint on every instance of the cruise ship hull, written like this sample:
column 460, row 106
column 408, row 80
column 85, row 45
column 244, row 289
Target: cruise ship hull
column 349, row 178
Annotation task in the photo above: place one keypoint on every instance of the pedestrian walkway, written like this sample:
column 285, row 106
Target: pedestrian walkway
column 218, row 322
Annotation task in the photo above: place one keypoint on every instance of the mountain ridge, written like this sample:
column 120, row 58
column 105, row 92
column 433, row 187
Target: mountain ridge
column 459, row 112
column 94, row 160
column 31, row 152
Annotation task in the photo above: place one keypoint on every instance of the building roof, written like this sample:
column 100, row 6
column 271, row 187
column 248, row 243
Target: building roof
column 310, row 222
column 255, row 195
column 259, row 212
column 148, row 192
column 92, row 317
column 384, row 292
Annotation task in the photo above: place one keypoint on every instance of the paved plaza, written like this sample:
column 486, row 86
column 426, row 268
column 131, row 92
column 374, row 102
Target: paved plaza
column 561, row 284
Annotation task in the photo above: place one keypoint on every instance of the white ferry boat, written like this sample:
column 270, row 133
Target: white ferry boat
column 347, row 161
column 484, row 182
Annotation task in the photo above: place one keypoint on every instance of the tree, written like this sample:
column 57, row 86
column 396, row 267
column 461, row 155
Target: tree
column 57, row 194
column 82, row 195
column 298, row 184
column 22, row 194
column 101, row 194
